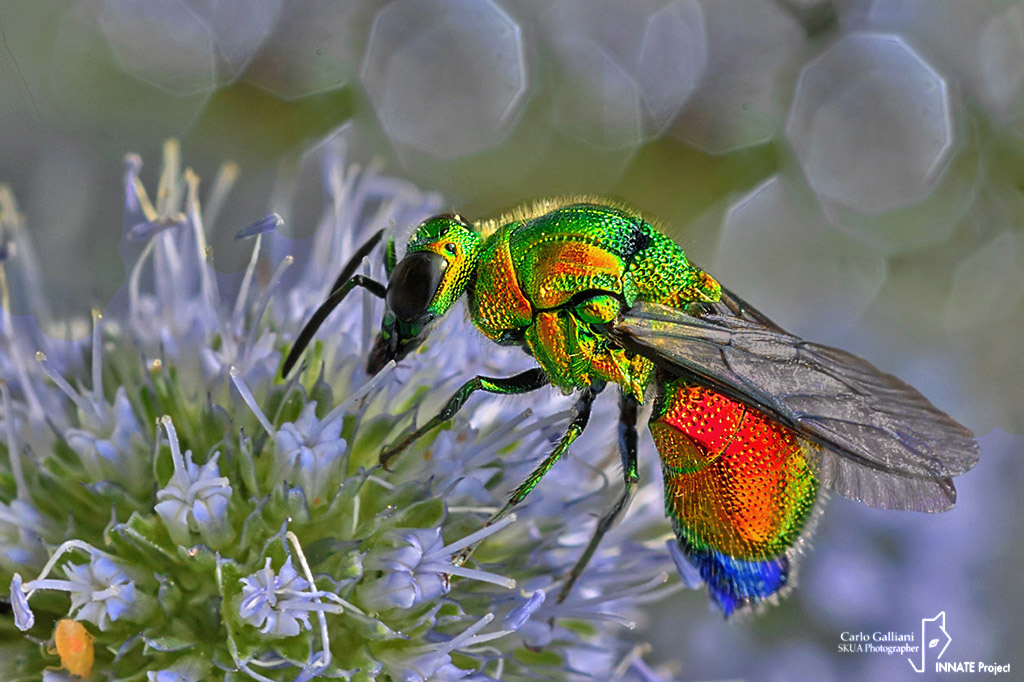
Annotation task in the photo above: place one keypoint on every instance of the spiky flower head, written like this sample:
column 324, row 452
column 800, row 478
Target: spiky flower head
column 205, row 519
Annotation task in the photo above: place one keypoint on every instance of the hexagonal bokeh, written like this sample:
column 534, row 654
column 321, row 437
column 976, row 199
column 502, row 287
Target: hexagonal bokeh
column 871, row 123
column 980, row 43
column 777, row 253
column 994, row 269
column 315, row 47
column 753, row 49
column 927, row 223
column 851, row 14
column 598, row 100
column 672, row 61
column 445, row 77
column 240, row 28
column 161, row 42
column 1001, row 61
column 88, row 81
column 619, row 62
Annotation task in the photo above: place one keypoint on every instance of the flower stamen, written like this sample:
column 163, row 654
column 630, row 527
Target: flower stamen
column 225, row 179
column 206, row 283
column 13, row 451
column 97, row 356
column 264, row 300
column 14, row 350
column 65, row 388
column 360, row 392
column 237, row 315
column 250, row 400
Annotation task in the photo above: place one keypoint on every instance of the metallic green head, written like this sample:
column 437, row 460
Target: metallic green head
column 439, row 260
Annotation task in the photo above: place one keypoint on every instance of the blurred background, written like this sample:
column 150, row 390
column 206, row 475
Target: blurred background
column 854, row 168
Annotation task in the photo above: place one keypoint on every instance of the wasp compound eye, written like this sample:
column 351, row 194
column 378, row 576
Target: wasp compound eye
column 414, row 283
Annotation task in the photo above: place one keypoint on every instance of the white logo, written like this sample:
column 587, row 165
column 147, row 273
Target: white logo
column 932, row 645
column 931, row 640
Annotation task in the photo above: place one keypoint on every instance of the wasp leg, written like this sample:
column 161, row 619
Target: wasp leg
column 580, row 417
column 325, row 309
column 627, row 449
column 524, row 382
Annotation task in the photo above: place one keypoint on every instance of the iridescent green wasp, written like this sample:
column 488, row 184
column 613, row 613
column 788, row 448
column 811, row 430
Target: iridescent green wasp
column 750, row 421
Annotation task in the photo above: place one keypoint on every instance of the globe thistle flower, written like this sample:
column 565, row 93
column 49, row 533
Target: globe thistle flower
column 205, row 519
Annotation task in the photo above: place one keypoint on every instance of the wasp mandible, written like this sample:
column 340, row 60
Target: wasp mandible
column 750, row 422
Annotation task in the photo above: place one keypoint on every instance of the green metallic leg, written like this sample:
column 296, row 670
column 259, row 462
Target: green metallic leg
column 628, row 410
column 524, row 382
column 580, row 417
column 390, row 257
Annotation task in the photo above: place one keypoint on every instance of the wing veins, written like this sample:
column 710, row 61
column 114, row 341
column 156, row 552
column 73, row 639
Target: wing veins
column 832, row 398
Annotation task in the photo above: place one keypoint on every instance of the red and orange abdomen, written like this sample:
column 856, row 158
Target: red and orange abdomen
column 736, row 481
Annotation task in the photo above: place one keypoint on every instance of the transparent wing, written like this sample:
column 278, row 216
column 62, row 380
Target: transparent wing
column 883, row 442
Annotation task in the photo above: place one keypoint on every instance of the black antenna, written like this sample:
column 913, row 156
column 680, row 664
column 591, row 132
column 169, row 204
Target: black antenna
column 345, row 283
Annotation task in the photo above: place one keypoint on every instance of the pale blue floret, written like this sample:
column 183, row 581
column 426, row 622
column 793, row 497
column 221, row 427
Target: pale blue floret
column 265, row 606
column 108, row 451
column 101, row 592
column 517, row 617
column 169, row 676
column 196, row 497
column 434, row 663
column 418, row 568
column 21, row 526
column 188, row 669
column 431, row 668
column 24, row 619
column 279, row 605
column 105, row 593
column 415, row 570
column 308, row 451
